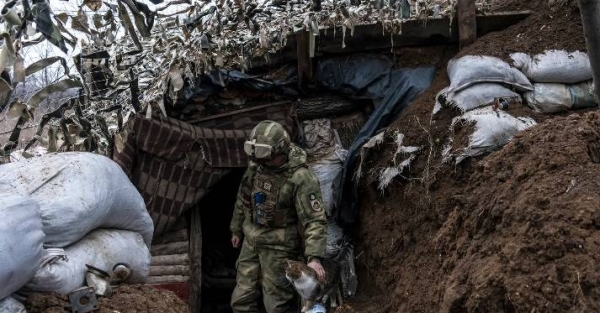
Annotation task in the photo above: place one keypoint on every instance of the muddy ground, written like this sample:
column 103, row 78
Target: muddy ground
column 126, row 299
column 514, row 231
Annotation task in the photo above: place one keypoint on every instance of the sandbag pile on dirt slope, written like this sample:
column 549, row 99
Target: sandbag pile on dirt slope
column 404, row 245
column 526, row 238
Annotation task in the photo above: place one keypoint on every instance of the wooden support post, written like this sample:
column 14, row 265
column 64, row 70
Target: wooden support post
column 590, row 16
column 195, row 261
column 305, row 68
column 467, row 23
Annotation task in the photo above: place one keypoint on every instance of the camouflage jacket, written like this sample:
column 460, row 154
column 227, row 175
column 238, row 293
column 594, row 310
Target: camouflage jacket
column 297, row 202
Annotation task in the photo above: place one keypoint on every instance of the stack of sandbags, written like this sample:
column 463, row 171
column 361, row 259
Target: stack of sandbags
column 562, row 80
column 21, row 239
column 325, row 157
column 478, row 84
column 89, row 214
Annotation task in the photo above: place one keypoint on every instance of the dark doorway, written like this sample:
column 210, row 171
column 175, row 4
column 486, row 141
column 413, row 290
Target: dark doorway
column 218, row 256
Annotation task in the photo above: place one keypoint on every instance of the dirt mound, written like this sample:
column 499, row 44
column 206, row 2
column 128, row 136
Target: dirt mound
column 467, row 238
column 127, row 298
column 526, row 238
column 550, row 27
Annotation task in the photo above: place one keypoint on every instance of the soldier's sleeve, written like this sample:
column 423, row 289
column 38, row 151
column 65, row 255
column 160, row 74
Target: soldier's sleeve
column 242, row 203
column 309, row 206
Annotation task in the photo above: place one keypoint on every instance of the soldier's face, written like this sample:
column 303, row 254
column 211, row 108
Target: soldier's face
column 275, row 162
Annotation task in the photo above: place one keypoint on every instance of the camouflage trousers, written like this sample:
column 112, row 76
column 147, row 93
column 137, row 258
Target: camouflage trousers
column 263, row 268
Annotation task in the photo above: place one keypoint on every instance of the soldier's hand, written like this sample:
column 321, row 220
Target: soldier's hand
column 318, row 269
column 235, row 241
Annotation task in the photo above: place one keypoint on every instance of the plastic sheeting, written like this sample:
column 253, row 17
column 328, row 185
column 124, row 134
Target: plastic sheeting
column 217, row 80
column 392, row 91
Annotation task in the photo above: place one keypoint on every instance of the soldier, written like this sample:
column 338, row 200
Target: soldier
column 279, row 198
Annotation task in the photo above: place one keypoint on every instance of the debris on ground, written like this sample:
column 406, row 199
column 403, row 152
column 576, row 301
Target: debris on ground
column 128, row 298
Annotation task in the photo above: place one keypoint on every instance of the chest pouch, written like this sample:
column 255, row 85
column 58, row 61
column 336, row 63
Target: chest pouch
column 265, row 196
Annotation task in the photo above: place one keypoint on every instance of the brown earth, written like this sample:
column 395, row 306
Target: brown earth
column 526, row 237
column 127, row 299
column 549, row 27
column 497, row 233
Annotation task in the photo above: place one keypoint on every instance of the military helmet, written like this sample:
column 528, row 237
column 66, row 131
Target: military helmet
column 267, row 140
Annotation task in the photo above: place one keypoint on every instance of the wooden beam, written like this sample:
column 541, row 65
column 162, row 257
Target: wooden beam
column 173, row 259
column 305, row 67
column 170, row 248
column 237, row 112
column 167, row 279
column 371, row 37
column 165, row 270
column 467, row 23
column 195, row 261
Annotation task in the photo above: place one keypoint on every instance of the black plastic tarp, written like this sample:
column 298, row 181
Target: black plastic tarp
column 392, row 91
column 214, row 82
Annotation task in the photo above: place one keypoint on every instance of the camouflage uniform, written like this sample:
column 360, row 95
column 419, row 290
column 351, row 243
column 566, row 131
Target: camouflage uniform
column 272, row 206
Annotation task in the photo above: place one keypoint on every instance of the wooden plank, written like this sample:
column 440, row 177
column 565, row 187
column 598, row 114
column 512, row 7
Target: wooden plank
column 167, row 279
column 165, row 270
column 178, row 235
column 174, row 259
column 467, row 23
column 371, row 37
column 170, row 248
column 237, row 112
column 323, row 106
column 196, row 261
column 305, row 67
column 498, row 21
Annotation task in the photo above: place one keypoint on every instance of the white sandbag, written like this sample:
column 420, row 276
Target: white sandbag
column 492, row 130
column 79, row 192
column 319, row 137
column 326, row 170
column 470, row 70
column 554, row 98
column 103, row 249
column 10, row 305
column 21, row 239
column 554, row 66
column 476, row 96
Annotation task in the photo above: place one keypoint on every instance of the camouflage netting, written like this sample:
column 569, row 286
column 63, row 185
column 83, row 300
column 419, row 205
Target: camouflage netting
column 122, row 57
